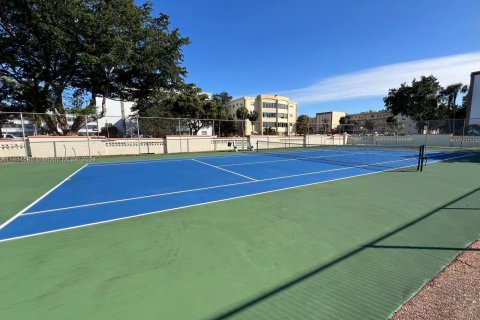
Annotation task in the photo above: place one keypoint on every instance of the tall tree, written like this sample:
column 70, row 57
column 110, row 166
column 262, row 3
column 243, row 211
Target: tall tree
column 242, row 113
column 188, row 102
column 420, row 101
column 111, row 49
column 449, row 94
column 302, row 124
column 253, row 116
column 222, row 98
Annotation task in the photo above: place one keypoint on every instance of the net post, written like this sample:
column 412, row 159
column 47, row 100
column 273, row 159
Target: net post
column 422, row 157
column 419, row 157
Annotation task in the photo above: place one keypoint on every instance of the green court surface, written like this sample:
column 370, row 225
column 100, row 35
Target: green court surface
column 351, row 249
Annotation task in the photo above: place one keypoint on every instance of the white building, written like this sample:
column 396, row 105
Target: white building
column 473, row 108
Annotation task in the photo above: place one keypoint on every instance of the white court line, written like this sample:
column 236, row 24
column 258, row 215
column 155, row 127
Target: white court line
column 104, row 164
column 43, row 196
column 219, row 168
column 256, row 162
column 210, row 202
column 306, row 158
column 207, row 188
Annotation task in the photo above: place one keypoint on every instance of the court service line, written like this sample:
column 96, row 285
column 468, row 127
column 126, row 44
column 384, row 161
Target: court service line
column 255, row 162
column 205, row 188
column 43, row 196
column 211, row 202
column 223, row 169
column 306, row 158
column 189, row 158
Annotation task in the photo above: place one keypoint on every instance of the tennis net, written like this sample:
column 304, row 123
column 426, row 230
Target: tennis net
column 365, row 156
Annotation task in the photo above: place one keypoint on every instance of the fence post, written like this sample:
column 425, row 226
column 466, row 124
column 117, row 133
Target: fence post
column 138, row 135
column 213, row 127
column 24, row 140
column 463, row 133
column 88, row 137
column 425, row 127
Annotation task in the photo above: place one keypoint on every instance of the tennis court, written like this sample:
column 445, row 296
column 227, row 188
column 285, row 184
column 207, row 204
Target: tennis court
column 286, row 232
column 129, row 189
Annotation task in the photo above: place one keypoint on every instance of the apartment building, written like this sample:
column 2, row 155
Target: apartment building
column 325, row 122
column 379, row 119
column 276, row 113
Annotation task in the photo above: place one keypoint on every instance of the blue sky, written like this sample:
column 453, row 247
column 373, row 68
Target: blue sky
column 340, row 55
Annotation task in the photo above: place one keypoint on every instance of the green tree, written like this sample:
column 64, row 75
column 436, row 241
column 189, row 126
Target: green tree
column 109, row 131
column 420, row 101
column 253, row 116
column 369, row 125
column 223, row 127
column 242, row 113
column 450, row 94
column 222, row 98
column 302, row 124
column 270, row 131
column 228, row 128
column 107, row 49
column 189, row 102
column 392, row 124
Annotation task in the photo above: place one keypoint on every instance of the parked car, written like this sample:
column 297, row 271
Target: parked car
column 9, row 136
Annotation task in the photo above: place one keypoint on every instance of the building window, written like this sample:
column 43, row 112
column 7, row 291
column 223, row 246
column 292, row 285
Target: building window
column 269, row 115
column 269, row 105
column 275, row 125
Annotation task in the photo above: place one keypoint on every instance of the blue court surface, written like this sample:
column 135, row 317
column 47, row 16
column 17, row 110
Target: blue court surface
column 102, row 192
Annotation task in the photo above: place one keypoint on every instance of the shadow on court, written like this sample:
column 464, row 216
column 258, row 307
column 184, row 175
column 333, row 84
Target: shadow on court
column 305, row 295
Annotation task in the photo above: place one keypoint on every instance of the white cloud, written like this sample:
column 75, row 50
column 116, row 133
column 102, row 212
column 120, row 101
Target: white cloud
column 375, row 82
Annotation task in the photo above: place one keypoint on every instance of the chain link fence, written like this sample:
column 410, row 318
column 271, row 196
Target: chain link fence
column 18, row 125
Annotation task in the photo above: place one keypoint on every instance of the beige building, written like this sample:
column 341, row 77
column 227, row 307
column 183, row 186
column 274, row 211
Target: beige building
column 379, row 118
column 275, row 113
column 325, row 122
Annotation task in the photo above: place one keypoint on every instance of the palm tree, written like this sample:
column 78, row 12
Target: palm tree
column 242, row 113
column 450, row 94
column 253, row 116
